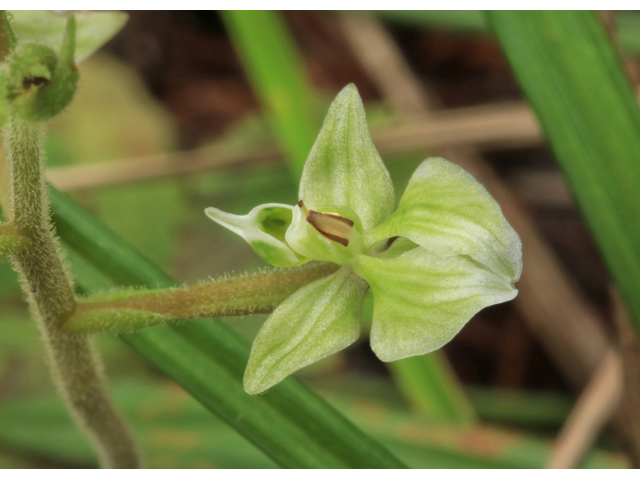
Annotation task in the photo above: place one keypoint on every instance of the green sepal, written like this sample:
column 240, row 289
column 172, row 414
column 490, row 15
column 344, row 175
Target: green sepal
column 422, row 299
column 318, row 320
column 263, row 228
column 41, row 83
column 344, row 167
column 94, row 29
column 302, row 237
column 447, row 211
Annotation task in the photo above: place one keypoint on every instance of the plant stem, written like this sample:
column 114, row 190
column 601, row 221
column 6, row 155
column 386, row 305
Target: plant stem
column 129, row 310
column 75, row 366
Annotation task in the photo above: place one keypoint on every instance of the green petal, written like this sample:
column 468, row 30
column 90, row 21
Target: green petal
column 264, row 229
column 318, row 320
column 344, row 167
column 422, row 299
column 447, row 211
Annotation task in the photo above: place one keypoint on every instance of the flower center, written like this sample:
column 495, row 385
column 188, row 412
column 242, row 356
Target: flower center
column 329, row 225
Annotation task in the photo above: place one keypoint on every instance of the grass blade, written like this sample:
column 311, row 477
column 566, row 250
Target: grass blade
column 291, row 424
column 587, row 108
column 475, row 22
column 275, row 70
column 430, row 386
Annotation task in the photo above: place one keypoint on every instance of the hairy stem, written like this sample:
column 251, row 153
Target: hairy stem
column 76, row 369
column 244, row 294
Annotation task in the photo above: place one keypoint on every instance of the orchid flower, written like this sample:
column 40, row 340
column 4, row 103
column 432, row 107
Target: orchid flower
column 443, row 255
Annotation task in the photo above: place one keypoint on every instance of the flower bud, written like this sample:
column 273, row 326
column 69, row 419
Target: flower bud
column 42, row 84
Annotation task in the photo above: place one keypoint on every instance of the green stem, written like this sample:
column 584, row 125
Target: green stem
column 130, row 310
column 76, row 369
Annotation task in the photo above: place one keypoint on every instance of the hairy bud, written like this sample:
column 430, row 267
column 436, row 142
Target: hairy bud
column 40, row 83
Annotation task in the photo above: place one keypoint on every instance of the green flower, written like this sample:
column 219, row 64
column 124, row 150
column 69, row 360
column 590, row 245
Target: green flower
column 444, row 254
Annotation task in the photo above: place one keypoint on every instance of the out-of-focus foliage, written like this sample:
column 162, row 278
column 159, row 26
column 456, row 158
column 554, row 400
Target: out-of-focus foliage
column 627, row 23
column 574, row 80
column 274, row 66
column 114, row 117
column 176, row 432
column 47, row 27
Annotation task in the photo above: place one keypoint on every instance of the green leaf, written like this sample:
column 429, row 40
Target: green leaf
column 344, row 167
column 94, row 29
column 422, row 299
column 291, row 424
column 467, row 22
column 445, row 209
column 318, row 320
column 263, row 228
column 590, row 116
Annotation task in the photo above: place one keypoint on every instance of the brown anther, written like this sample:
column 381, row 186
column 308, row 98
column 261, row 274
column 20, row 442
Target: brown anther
column 333, row 227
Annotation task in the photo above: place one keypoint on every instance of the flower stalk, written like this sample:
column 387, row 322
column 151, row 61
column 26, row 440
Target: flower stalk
column 129, row 310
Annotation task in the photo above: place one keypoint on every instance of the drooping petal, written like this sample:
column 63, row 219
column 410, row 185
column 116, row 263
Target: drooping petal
column 318, row 320
column 447, row 211
column 422, row 299
column 264, row 229
column 344, row 167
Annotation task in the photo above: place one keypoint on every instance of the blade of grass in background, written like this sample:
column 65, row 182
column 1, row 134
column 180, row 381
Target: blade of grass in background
column 291, row 424
column 463, row 21
column 430, row 386
column 273, row 63
column 521, row 408
column 276, row 73
column 574, row 81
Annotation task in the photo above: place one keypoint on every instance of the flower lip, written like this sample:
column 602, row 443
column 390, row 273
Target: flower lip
column 332, row 226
